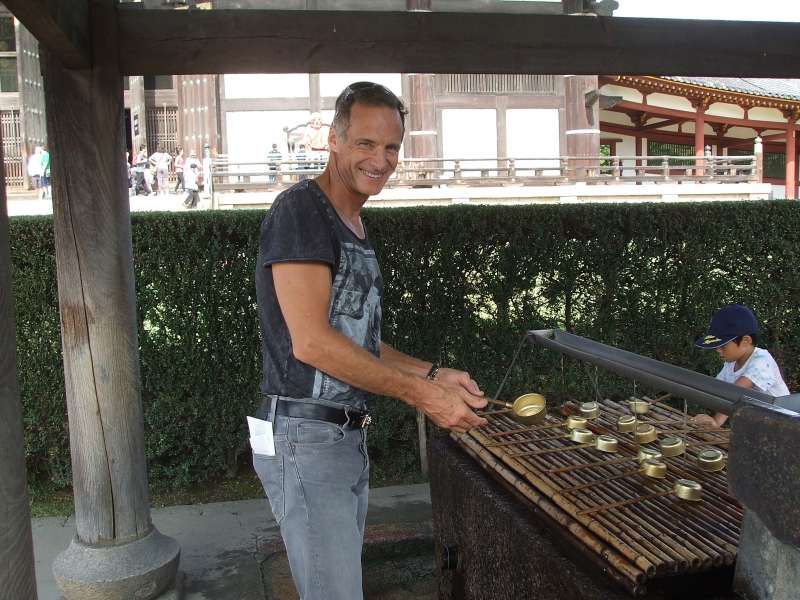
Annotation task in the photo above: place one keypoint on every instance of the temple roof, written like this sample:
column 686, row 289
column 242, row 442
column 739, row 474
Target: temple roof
column 788, row 89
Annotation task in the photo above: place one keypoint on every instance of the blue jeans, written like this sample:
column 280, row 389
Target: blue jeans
column 318, row 484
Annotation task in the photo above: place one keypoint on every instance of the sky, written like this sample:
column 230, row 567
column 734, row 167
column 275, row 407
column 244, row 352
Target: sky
column 736, row 10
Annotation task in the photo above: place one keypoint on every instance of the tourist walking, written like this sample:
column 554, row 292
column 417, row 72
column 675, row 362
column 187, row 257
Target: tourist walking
column 179, row 163
column 160, row 162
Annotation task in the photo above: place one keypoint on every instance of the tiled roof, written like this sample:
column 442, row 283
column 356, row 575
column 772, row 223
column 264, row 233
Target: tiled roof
column 788, row 89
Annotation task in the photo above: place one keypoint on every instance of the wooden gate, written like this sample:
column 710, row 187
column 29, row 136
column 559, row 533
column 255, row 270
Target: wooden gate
column 12, row 148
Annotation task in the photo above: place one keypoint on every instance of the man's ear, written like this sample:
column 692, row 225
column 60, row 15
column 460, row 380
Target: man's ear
column 748, row 339
column 332, row 139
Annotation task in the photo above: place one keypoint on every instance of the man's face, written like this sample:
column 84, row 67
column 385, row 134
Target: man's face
column 366, row 155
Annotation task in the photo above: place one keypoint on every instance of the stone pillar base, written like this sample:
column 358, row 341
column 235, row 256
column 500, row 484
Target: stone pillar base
column 140, row 570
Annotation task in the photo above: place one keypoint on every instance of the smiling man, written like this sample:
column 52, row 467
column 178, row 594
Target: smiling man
column 319, row 295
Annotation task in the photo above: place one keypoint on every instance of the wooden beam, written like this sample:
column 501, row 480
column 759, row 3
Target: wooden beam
column 61, row 27
column 626, row 106
column 270, row 41
column 17, row 578
column 664, row 123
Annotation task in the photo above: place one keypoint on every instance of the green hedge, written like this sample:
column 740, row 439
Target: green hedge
column 462, row 283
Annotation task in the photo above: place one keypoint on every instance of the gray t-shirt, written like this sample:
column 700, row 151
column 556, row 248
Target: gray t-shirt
column 302, row 225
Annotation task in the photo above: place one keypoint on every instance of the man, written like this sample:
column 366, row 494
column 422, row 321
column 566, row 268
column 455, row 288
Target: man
column 44, row 181
column 319, row 294
column 274, row 158
column 35, row 169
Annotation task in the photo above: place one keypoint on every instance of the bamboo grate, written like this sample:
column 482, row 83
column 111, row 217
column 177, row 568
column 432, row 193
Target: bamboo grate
column 634, row 524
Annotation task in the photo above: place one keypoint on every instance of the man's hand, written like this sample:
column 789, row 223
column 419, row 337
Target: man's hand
column 461, row 378
column 450, row 405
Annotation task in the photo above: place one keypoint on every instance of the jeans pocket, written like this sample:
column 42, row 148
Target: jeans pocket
column 270, row 471
column 315, row 433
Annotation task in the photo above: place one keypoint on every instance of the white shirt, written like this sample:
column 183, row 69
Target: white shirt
column 35, row 164
column 761, row 369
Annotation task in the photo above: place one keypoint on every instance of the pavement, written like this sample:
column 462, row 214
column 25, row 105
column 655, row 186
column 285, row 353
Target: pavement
column 233, row 551
column 27, row 203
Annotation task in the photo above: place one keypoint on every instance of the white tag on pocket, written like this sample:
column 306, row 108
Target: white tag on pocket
column 261, row 440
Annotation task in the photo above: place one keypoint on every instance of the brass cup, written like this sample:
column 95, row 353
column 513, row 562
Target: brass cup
column 590, row 410
column 672, row 445
column 530, row 409
column 711, row 460
column 626, row 423
column 581, row 436
column 645, row 433
column 606, row 443
column 639, row 407
column 648, row 453
column 653, row 468
column 686, row 489
column 576, row 422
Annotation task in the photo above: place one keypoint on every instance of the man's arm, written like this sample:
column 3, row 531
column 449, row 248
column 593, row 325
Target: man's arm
column 420, row 368
column 304, row 290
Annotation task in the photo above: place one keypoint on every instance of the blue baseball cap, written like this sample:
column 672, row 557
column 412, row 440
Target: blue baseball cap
column 728, row 323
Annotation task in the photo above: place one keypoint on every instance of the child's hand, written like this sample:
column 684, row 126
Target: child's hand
column 704, row 421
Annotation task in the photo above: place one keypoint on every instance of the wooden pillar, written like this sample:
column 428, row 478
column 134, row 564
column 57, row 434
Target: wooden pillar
column 197, row 115
column 791, row 157
column 582, row 124
column 117, row 552
column 421, row 125
column 17, row 577
column 700, row 107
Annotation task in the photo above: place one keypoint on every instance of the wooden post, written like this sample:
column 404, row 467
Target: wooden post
column 17, row 577
column 791, row 158
column 117, row 552
column 758, row 150
column 700, row 106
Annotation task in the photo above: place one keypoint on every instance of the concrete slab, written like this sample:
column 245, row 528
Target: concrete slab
column 224, row 544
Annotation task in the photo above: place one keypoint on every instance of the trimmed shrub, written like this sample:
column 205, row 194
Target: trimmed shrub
column 462, row 285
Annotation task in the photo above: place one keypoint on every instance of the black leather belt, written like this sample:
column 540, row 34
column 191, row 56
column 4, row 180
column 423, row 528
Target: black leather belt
column 350, row 418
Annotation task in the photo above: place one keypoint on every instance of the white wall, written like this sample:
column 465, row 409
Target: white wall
column 252, row 133
column 533, row 133
column 469, row 133
column 281, row 85
column 332, row 84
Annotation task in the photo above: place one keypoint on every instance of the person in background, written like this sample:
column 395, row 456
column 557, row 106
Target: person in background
column 140, row 183
column 733, row 333
column 160, row 162
column 45, row 179
column 274, row 158
column 191, row 175
column 35, row 168
column 179, row 163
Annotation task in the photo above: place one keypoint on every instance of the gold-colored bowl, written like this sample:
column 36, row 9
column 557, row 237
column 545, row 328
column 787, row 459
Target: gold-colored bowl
column 576, row 422
column 530, row 409
column 653, row 468
column 648, row 453
column 686, row 489
column 581, row 436
column 626, row 423
column 590, row 410
column 639, row 407
column 711, row 460
column 645, row 433
column 672, row 445
column 606, row 443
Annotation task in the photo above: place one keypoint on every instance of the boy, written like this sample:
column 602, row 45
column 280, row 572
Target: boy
column 733, row 334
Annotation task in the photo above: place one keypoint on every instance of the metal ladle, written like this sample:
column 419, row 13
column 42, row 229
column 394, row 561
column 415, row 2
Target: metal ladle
column 528, row 409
